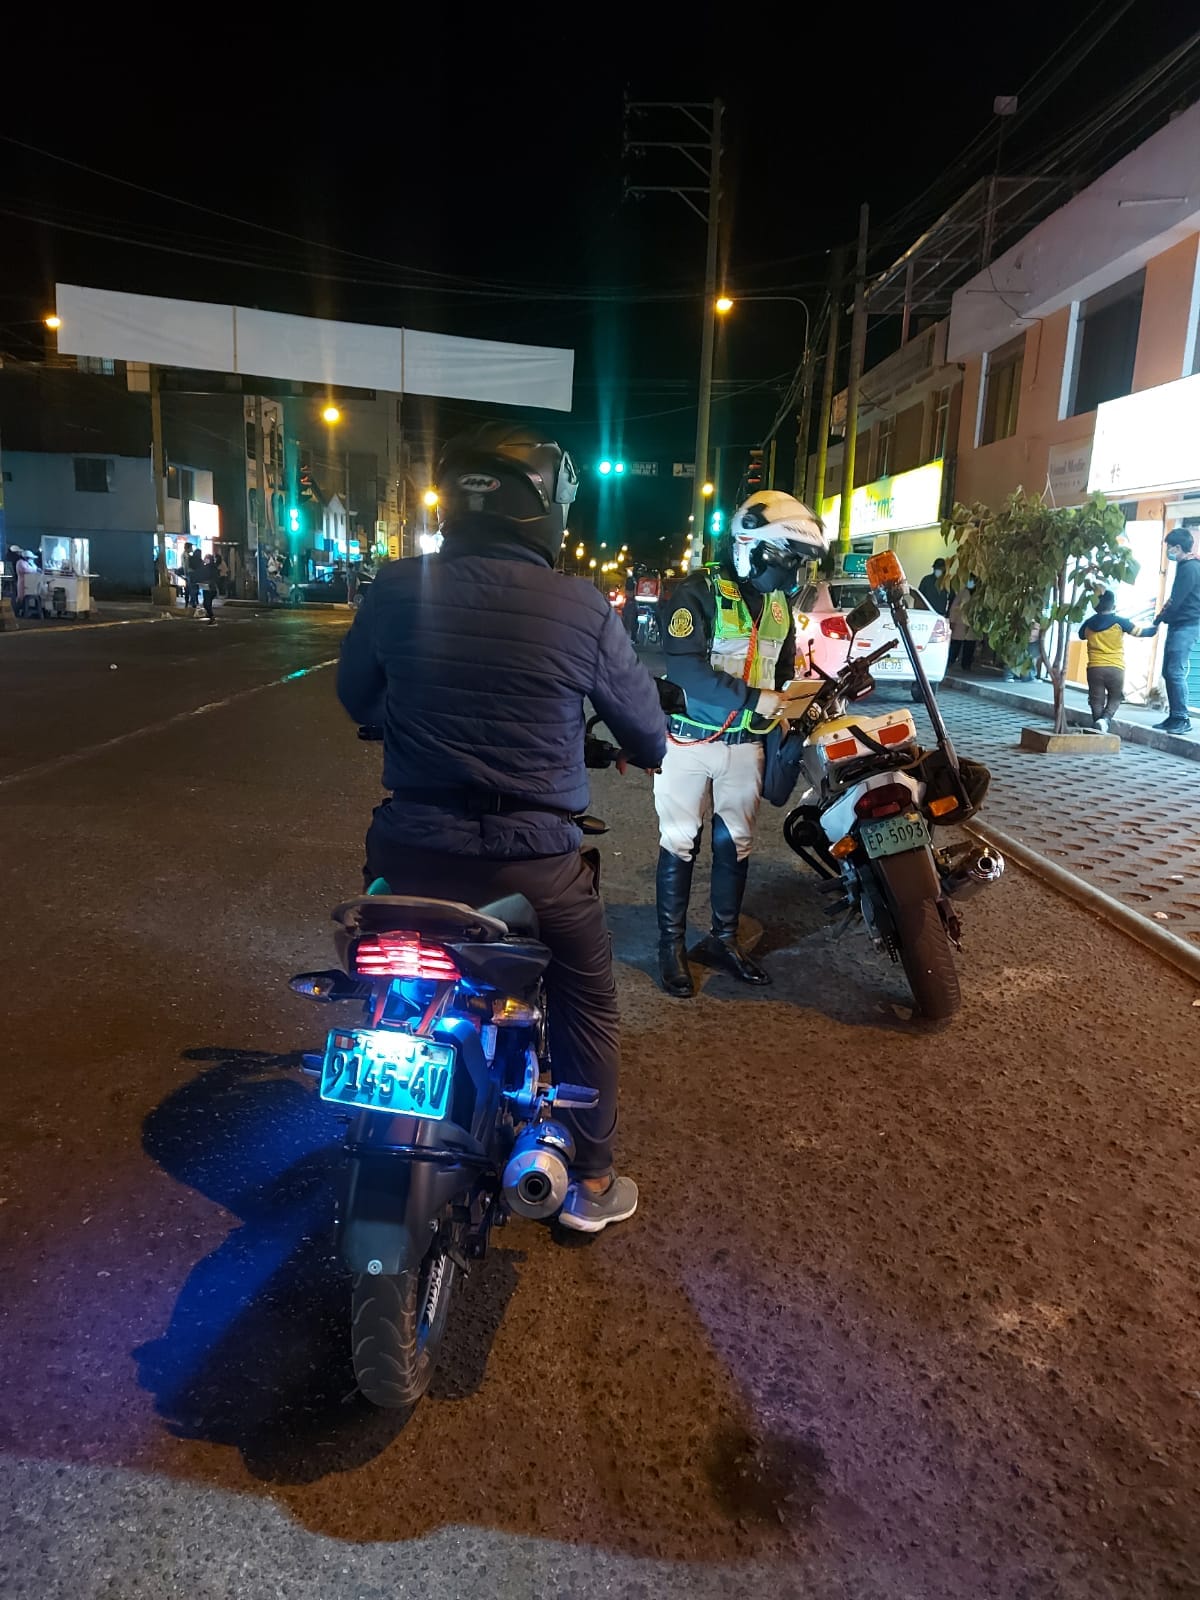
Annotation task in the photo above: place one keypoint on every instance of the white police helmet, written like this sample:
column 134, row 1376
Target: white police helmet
column 774, row 535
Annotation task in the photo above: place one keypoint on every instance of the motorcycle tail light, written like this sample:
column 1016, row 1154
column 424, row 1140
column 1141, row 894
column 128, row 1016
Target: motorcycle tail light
column 885, row 800
column 835, row 627
column 940, row 632
column 894, row 733
column 403, row 955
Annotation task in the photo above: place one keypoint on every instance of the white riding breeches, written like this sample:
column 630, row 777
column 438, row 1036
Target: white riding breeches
column 725, row 779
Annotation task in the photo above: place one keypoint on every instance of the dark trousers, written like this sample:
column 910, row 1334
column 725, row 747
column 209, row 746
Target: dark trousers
column 209, row 592
column 1176, row 655
column 1106, row 690
column 191, row 593
column 963, row 650
column 582, row 1010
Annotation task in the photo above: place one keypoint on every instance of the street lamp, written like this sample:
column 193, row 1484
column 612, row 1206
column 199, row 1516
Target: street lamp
column 430, row 498
column 707, row 490
column 724, row 304
column 331, row 414
column 53, row 321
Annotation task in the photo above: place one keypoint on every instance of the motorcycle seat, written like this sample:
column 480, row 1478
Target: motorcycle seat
column 444, row 919
column 516, row 913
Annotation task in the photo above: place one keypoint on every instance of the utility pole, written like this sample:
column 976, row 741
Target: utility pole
column 837, row 272
column 164, row 594
column 858, row 350
column 804, row 428
column 260, row 496
column 693, row 151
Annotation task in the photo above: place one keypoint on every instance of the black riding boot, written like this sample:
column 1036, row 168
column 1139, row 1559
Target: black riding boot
column 672, row 889
column 721, row 948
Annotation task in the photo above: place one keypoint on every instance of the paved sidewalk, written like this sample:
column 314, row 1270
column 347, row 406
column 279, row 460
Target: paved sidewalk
column 1125, row 824
column 1134, row 723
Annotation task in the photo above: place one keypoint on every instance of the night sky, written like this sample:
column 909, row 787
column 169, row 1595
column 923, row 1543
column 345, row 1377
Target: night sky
column 389, row 146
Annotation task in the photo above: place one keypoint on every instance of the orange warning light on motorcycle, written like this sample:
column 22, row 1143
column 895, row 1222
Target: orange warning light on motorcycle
column 883, row 569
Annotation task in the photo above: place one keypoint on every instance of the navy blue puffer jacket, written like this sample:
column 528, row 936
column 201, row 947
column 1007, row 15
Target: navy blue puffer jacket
column 477, row 662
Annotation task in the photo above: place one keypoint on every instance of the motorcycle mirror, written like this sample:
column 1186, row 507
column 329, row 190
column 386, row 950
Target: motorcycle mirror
column 864, row 614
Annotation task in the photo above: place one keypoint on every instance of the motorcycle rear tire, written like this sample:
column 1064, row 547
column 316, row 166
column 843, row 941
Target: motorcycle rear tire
column 396, row 1335
column 925, row 951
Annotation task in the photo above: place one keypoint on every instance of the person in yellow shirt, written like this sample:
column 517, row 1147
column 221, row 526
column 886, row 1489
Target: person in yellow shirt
column 1104, row 634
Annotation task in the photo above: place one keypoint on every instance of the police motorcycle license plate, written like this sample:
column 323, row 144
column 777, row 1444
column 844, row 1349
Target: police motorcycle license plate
column 382, row 1069
column 893, row 835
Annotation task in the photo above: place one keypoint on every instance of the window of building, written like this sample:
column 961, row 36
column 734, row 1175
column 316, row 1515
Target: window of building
column 884, row 443
column 250, row 440
column 1104, row 347
column 172, row 483
column 1002, row 391
column 939, row 429
column 93, row 475
column 101, row 366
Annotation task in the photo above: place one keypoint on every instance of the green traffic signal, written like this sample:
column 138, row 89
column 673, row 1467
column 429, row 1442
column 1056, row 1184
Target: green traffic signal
column 606, row 468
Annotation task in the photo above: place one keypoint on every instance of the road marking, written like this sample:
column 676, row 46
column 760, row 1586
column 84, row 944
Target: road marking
column 90, row 750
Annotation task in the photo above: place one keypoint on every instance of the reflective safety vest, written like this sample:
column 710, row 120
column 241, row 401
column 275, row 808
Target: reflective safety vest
column 744, row 650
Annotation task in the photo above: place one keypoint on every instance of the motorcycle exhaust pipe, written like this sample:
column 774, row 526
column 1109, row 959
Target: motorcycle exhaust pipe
column 537, row 1174
column 979, row 868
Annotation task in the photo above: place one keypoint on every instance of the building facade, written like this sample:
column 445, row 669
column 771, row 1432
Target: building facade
column 1080, row 362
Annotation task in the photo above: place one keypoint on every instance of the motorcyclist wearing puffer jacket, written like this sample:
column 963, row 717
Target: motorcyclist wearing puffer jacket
column 477, row 662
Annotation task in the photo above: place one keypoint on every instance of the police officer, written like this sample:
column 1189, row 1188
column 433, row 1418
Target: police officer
column 730, row 642
column 476, row 662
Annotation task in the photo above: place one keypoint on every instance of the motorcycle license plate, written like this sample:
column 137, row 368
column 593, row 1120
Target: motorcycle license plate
column 381, row 1069
column 894, row 835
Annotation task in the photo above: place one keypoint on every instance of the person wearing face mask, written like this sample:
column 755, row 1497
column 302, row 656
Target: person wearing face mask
column 1181, row 613
column 963, row 637
column 730, row 643
column 932, row 587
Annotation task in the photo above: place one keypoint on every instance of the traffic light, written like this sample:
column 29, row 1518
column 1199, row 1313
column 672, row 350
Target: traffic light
column 293, row 519
column 755, row 472
column 607, row 468
column 717, row 523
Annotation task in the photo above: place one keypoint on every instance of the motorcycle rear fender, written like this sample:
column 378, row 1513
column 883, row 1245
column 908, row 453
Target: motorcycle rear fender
column 840, row 818
column 392, row 1206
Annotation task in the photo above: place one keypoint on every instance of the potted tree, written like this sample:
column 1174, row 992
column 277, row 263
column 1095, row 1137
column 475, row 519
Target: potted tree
column 1039, row 568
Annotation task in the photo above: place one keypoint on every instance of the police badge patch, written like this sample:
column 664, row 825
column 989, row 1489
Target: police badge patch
column 681, row 624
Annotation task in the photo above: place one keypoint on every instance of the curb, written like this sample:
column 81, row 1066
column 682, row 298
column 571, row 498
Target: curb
column 1160, row 941
column 81, row 628
column 1027, row 705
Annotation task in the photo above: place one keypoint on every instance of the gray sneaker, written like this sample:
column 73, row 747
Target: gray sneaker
column 591, row 1213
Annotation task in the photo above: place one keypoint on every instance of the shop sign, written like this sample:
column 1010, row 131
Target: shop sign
column 891, row 505
column 1148, row 442
column 1067, row 472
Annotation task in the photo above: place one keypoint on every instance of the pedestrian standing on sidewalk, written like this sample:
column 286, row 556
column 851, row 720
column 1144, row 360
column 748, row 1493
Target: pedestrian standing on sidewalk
column 194, row 564
column 932, row 587
column 963, row 638
column 1181, row 613
column 1104, row 634
column 210, row 579
column 27, row 581
column 629, row 612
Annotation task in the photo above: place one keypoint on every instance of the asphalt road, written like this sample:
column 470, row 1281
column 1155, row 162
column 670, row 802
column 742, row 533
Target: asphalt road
column 904, row 1316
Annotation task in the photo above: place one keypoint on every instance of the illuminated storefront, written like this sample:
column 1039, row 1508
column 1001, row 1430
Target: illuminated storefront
column 901, row 513
column 1146, row 453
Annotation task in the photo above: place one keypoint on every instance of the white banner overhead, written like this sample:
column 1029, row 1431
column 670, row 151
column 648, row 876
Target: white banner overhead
column 270, row 344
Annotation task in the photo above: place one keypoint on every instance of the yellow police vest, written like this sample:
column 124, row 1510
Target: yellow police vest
column 734, row 634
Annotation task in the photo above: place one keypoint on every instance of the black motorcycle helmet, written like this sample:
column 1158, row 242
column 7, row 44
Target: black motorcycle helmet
column 509, row 471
